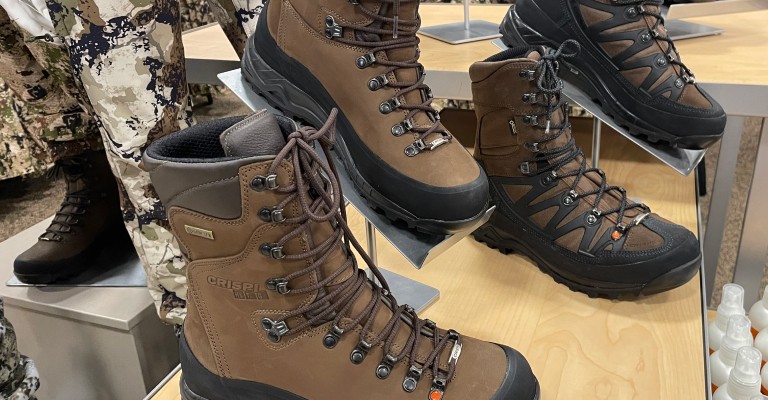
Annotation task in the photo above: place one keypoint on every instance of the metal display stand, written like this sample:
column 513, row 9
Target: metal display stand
column 117, row 267
column 683, row 161
column 463, row 32
column 418, row 248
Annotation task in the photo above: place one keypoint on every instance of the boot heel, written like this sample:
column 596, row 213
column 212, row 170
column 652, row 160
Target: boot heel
column 516, row 33
column 186, row 393
column 278, row 90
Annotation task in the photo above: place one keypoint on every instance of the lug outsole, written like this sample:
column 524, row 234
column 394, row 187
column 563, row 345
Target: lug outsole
column 488, row 236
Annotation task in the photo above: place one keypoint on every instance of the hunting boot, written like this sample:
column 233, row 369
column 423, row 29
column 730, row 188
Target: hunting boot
column 307, row 57
column 551, row 205
column 628, row 65
column 88, row 221
column 277, row 306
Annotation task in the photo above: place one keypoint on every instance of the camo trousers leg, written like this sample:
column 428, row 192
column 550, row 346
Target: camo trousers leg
column 238, row 19
column 129, row 59
column 19, row 379
column 48, row 107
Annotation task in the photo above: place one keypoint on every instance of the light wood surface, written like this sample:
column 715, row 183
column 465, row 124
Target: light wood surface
column 208, row 43
column 736, row 57
column 580, row 348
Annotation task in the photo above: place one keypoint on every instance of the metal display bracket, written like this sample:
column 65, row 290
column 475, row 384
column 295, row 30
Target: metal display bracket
column 463, row 32
column 418, row 248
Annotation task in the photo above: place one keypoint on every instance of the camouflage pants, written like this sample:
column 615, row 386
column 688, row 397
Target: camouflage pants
column 19, row 379
column 129, row 59
column 44, row 106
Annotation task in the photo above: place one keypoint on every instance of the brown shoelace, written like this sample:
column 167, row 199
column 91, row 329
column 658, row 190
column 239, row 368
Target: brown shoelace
column 317, row 190
column 402, row 35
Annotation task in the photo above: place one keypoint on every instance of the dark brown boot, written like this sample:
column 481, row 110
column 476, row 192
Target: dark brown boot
column 277, row 306
column 627, row 64
column 308, row 57
column 551, row 205
column 88, row 221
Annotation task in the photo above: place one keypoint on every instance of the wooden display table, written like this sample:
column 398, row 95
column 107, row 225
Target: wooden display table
column 580, row 348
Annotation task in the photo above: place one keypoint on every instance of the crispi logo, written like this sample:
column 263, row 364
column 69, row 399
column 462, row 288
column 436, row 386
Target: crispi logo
column 241, row 290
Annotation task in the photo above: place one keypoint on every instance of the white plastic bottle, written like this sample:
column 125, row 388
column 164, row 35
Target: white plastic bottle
column 732, row 303
column 758, row 314
column 761, row 343
column 744, row 380
column 721, row 362
column 764, row 380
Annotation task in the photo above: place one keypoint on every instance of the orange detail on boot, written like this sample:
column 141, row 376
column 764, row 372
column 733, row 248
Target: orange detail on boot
column 435, row 395
column 616, row 235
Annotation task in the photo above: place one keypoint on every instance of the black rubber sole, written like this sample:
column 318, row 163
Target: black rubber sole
column 515, row 33
column 295, row 103
column 271, row 393
column 491, row 237
column 210, row 386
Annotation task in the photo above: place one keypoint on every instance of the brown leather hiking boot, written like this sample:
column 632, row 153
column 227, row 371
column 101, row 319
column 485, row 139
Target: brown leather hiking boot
column 88, row 221
column 551, row 205
column 277, row 306
column 307, row 57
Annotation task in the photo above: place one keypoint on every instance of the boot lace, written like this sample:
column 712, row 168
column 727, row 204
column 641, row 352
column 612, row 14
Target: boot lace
column 74, row 204
column 316, row 188
column 643, row 7
column 550, row 161
column 377, row 39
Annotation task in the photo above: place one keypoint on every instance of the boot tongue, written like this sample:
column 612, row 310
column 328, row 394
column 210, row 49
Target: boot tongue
column 534, row 54
column 257, row 135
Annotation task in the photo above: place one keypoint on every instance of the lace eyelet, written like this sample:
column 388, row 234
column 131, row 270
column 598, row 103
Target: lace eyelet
column 594, row 216
column 360, row 352
column 549, row 178
column 527, row 74
column 438, row 389
column 661, row 62
column 385, row 367
column 365, row 61
column 529, row 98
column 401, row 128
column 377, row 83
column 333, row 336
column 278, row 285
column 412, row 379
column 632, row 12
column 531, row 120
column 275, row 330
column 272, row 250
column 679, row 83
column 332, row 29
column 274, row 215
column 260, row 183
column 389, row 106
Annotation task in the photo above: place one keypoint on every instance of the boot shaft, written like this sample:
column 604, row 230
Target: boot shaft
column 513, row 114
